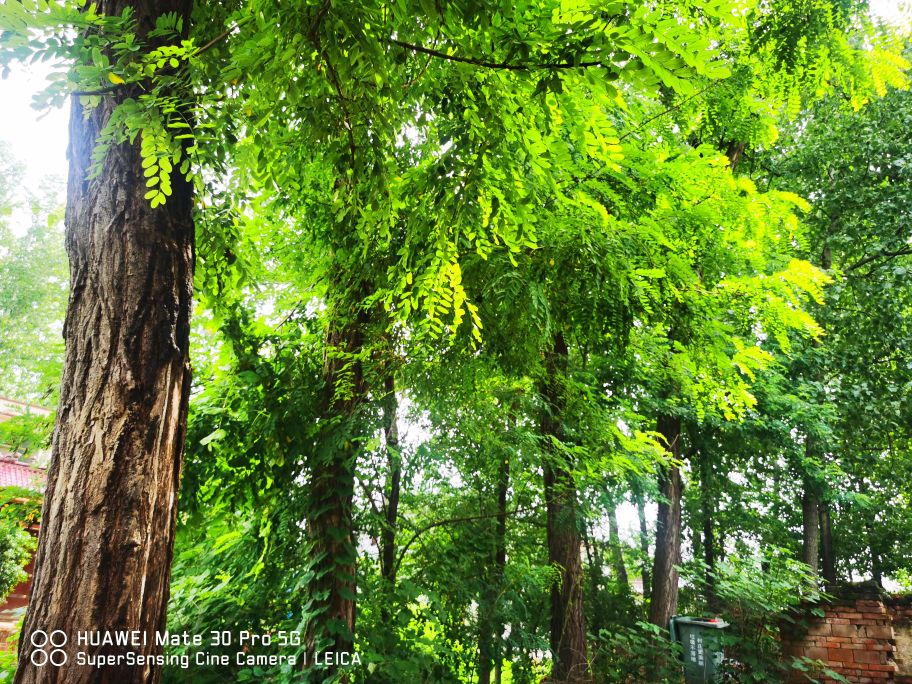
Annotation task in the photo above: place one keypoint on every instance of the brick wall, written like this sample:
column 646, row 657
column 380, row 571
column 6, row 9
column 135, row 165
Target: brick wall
column 900, row 609
column 854, row 637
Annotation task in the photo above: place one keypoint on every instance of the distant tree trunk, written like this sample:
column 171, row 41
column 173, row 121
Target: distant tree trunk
column 870, row 521
column 696, row 534
column 734, row 151
column 810, row 514
column 332, row 480
column 491, row 627
column 596, row 617
column 617, row 551
column 394, row 462
column 108, row 521
column 568, row 623
column 709, row 541
column 664, row 599
column 644, row 545
column 814, row 512
column 826, row 544
column 876, row 570
column 388, row 565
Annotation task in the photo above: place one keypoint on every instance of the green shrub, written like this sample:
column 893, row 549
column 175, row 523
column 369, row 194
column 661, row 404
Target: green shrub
column 634, row 654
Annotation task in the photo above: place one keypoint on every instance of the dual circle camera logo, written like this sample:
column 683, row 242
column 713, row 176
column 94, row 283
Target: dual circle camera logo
column 48, row 648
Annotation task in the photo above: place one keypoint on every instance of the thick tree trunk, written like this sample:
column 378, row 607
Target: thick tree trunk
column 664, row 599
column 332, row 482
column 107, row 527
column 826, row 544
column 568, row 622
column 644, row 545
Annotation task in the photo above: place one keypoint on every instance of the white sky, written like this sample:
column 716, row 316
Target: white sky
column 40, row 144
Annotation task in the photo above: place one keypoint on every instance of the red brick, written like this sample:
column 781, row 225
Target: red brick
column 870, row 657
column 879, row 631
column 844, row 630
column 840, row 655
column 818, row 629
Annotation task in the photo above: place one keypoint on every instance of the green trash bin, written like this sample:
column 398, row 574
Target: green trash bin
column 701, row 643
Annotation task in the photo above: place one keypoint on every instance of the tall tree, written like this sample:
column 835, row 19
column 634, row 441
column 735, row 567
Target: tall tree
column 663, row 600
column 568, row 621
column 107, row 527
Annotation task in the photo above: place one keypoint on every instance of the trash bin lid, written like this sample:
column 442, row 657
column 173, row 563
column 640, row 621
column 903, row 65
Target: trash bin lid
column 705, row 622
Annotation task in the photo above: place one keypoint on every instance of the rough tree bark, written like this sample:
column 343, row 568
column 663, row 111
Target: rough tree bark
column 107, row 526
column 664, row 598
column 330, row 526
column 568, row 622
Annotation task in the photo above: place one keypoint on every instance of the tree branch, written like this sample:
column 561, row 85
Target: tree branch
column 666, row 111
column 208, row 46
column 494, row 65
column 451, row 521
column 902, row 251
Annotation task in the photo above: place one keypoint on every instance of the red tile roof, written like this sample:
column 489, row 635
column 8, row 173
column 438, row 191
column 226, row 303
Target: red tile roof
column 16, row 474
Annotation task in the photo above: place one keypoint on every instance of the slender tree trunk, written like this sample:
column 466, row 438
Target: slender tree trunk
column 388, row 566
column 107, row 526
column 617, row 551
column 826, row 544
column 490, row 625
column 332, row 482
column 696, row 534
column 644, row 545
column 500, row 557
column 664, row 599
column 568, row 623
column 391, row 433
column 810, row 514
column 709, row 540
column 870, row 521
column 876, row 570
column 734, row 151
column 596, row 616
